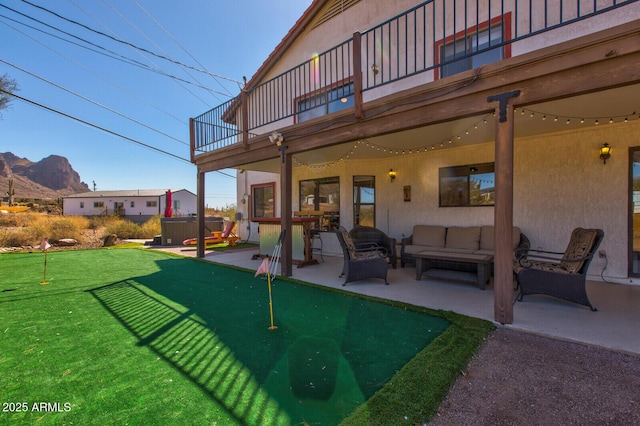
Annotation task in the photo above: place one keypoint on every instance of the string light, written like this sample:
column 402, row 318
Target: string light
column 449, row 140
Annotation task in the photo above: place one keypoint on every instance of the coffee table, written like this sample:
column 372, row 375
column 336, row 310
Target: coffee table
column 481, row 277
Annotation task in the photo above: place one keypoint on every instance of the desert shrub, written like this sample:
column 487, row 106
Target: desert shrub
column 103, row 221
column 126, row 229
column 152, row 227
column 66, row 227
column 19, row 237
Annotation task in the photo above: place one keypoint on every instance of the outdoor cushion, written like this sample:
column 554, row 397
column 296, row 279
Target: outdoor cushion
column 459, row 237
column 429, row 235
column 487, row 238
column 579, row 246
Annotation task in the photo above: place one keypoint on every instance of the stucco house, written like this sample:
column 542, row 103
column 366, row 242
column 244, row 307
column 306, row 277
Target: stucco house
column 376, row 107
column 137, row 205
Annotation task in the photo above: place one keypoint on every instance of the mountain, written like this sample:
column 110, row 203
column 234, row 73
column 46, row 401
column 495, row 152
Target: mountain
column 51, row 177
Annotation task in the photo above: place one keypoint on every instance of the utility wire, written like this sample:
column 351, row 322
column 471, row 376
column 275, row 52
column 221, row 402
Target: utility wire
column 142, row 55
column 92, row 101
column 178, row 43
column 95, row 74
column 111, row 132
column 131, row 24
column 112, row 55
column 130, row 44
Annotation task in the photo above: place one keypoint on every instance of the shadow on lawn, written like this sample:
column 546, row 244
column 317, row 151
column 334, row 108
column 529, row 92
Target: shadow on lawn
column 330, row 353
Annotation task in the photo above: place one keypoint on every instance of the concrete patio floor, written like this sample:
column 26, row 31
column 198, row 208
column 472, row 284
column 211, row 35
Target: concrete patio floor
column 616, row 324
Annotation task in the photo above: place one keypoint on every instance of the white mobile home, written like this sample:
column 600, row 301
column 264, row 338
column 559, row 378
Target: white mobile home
column 137, row 205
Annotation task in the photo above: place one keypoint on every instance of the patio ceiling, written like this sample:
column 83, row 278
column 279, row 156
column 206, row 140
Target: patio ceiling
column 572, row 113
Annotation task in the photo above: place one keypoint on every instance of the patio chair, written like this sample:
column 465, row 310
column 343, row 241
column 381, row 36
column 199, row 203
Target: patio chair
column 364, row 235
column 361, row 262
column 228, row 235
column 561, row 275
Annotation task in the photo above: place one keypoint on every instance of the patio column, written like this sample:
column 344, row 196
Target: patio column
column 200, row 213
column 286, row 212
column 503, row 212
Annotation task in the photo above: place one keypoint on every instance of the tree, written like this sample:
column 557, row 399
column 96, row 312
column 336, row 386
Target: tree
column 7, row 87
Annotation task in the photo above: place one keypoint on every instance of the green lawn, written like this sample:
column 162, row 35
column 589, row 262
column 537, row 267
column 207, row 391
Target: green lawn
column 131, row 336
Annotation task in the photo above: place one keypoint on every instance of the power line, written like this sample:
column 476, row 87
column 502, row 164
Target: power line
column 93, row 102
column 111, row 132
column 112, row 54
column 130, row 44
column 176, row 80
column 177, row 42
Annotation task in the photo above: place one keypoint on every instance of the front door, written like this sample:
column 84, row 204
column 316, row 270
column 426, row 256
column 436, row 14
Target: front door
column 118, row 208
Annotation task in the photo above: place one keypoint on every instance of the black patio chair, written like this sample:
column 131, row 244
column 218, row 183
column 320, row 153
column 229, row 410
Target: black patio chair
column 364, row 235
column 561, row 275
column 361, row 262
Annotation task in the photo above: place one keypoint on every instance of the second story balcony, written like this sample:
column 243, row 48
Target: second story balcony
column 429, row 42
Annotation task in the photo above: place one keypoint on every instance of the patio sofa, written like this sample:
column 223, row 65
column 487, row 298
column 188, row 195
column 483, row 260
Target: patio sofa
column 456, row 239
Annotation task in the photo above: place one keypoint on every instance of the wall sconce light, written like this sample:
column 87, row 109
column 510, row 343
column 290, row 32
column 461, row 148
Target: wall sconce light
column 392, row 175
column 375, row 69
column 605, row 152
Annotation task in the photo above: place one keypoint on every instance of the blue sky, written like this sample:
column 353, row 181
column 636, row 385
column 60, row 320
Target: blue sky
column 147, row 102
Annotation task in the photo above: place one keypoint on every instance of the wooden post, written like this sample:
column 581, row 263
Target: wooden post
column 245, row 117
column 200, row 211
column 192, row 139
column 357, row 74
column 503, row 213
column 286, row 211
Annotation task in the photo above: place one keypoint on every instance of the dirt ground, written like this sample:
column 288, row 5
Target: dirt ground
column 521, row 378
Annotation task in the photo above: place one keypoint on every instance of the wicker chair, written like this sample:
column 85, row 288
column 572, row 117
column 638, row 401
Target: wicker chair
column 367, row 235
column 361, row 262
column 561, row 275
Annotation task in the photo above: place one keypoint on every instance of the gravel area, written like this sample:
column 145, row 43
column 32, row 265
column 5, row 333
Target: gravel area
column 521, row 378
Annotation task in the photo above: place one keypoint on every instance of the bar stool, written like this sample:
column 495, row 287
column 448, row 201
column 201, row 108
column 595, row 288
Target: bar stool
column 316, row 236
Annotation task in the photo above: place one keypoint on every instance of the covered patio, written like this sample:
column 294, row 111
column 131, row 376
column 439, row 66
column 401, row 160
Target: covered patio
column 613, row 326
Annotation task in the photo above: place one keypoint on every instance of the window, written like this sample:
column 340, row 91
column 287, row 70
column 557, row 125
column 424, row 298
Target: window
column 152, row 203
column 325, row 102
column 176, row 205
column 322, row 195
column 98, row 204
column 472, row 185
column 364, row 200
column 263, row 202
column 133, row 204
column 82, row 204
column 458, row 53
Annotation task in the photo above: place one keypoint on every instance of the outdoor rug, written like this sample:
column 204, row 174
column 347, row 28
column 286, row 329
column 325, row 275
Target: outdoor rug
column 140, row 337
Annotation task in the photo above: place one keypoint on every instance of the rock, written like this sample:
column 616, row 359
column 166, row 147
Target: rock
column 67, row 242
column 109, row 240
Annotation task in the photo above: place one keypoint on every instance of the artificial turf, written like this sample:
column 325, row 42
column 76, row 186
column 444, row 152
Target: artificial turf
column 141, row 337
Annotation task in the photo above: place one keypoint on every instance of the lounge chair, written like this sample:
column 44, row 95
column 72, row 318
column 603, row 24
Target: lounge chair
column 367, row 235
column 561, row 275
column 361, row 262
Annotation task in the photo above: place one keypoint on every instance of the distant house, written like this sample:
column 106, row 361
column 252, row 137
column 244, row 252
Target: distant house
column 138, row 205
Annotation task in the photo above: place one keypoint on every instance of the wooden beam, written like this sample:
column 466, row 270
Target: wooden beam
column 561, row 73
column 357, row 75
column 200, row 209
column 503, row 211
column 286, row 212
